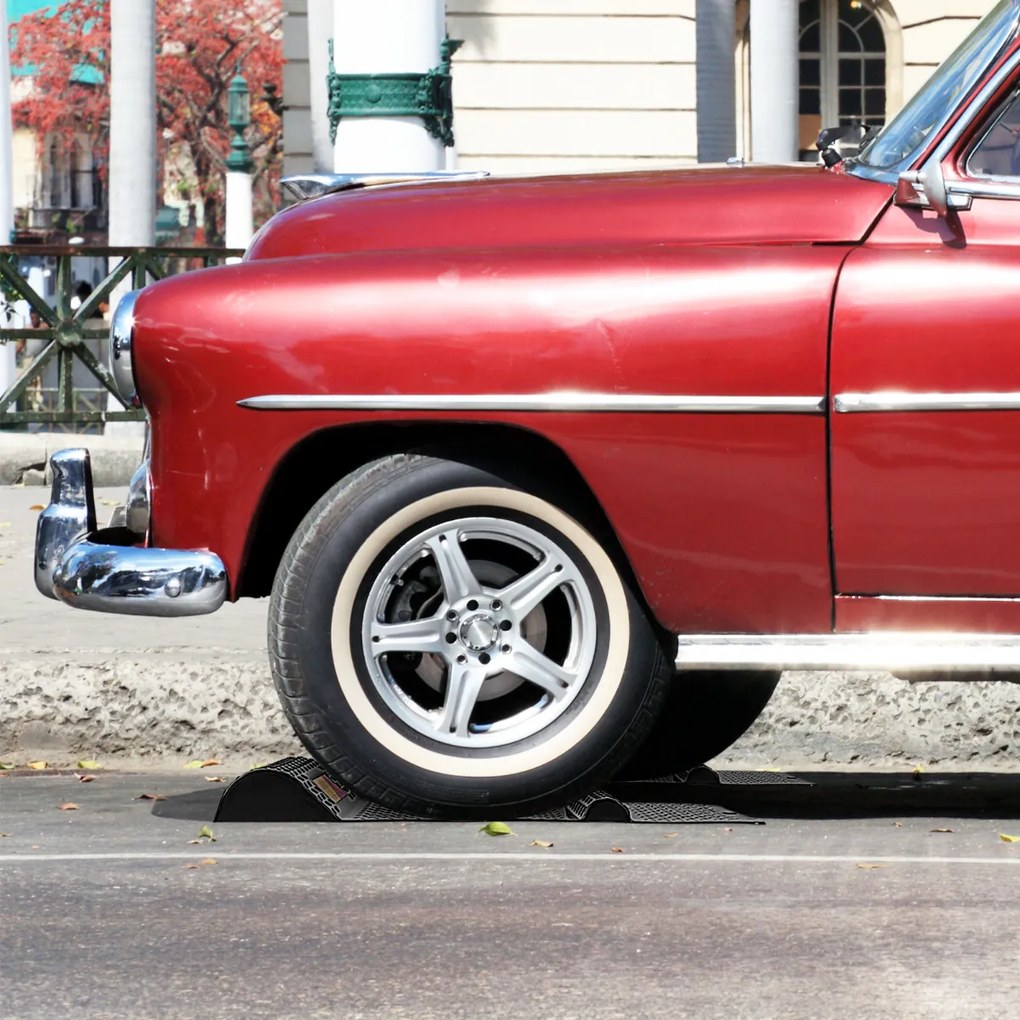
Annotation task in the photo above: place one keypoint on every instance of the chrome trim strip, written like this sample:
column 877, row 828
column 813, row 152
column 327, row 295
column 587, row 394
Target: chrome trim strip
column 900, row 400
column 305, row 186
column 886, row 650
column 103, row 570
column 567, row 401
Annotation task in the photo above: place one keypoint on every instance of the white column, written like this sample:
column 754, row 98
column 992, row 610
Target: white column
column 716, row 84
column 386, row 37
column 238, row 213
column 132, row 144
column 8, row 367
column 774, row 79
column 320, row 31
column 133, row 122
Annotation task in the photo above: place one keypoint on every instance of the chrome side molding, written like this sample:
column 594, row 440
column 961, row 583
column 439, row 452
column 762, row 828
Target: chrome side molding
column 901, row 400
column 305, row 186
column 595, row 403
column 886, row 650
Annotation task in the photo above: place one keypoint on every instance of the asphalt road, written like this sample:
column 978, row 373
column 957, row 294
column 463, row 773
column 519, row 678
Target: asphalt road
column 849, row 901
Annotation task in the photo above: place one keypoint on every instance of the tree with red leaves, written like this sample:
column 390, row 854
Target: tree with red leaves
column 200, row 46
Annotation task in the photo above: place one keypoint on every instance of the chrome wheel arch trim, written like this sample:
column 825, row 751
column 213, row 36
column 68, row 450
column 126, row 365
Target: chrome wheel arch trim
column 566, row 401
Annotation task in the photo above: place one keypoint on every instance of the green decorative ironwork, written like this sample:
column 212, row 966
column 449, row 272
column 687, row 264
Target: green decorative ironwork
column 65, row 331
column 429, row 95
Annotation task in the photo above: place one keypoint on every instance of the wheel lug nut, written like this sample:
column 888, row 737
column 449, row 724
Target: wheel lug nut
column 451, row 615
column 505, row 649
column 462, row 659
column 496, row 604
column 484, row 658
column 505, row 625
column 450, row 638
column 472, row 605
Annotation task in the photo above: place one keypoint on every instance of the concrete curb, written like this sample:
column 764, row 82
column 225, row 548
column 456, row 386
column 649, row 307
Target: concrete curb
column 24, row 456
column 62, row 704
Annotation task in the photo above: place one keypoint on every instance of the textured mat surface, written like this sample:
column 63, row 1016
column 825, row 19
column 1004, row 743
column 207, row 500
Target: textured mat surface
column 301, row 790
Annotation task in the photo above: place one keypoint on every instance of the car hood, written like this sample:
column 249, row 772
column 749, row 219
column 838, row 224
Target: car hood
column 707, row 205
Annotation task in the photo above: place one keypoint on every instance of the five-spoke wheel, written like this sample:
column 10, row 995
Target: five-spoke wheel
column 447, row 641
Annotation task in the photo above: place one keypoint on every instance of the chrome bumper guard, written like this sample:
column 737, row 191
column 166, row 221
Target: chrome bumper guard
column 104, row 570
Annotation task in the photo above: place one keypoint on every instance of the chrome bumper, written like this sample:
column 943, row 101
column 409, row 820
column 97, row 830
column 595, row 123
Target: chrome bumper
column 104, row 570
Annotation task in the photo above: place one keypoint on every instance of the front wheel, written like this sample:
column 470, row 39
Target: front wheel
column 445, row 641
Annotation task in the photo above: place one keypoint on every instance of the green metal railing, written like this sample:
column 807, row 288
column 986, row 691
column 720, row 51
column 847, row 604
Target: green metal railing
column 40, row 395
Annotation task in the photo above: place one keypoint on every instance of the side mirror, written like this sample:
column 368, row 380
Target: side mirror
column 927, row 189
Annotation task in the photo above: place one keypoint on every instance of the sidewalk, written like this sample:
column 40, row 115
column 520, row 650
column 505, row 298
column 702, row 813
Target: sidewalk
column 77, row 684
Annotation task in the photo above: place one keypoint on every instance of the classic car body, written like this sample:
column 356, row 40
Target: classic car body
column 784, row 401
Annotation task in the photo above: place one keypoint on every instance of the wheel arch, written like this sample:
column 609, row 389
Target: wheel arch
column 525, row 457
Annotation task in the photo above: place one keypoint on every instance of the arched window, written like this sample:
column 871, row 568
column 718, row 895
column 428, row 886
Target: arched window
column 843, row 72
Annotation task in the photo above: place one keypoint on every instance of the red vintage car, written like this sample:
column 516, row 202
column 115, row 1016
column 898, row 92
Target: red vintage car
column 549, row 475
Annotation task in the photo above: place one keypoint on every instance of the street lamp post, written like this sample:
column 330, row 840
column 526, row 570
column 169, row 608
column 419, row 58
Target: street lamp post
column 239, row 224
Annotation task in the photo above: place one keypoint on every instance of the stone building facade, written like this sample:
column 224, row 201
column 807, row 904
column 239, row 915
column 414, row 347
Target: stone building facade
column 564, row 85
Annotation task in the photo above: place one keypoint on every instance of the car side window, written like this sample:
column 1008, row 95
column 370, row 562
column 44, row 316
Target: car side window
column 997, row 154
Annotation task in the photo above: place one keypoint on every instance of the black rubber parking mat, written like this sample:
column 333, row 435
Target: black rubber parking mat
column 301, row 790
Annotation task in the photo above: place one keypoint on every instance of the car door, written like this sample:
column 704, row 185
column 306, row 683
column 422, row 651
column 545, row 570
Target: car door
column 925, row 394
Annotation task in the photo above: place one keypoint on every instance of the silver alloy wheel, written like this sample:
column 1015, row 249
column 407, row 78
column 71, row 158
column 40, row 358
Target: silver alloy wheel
column 479, row 632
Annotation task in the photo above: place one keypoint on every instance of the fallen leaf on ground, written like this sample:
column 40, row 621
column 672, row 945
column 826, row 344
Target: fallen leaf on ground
column 2, row 834
column 5, row 765
column 215, row 779
column 898, row 825
column 872, row 867
column 149, row 796
column 671, row 835
column 108, row 502
column 203, row 863
column 211, row 761
column 37, row 506
column 204, row 834
column 196, row 764
column 37, row 765
column 544, row 843
column 617, row 850
column 496, row 829
column 942, row 830
column 1006, row 838
column 68, row 806
column 84, row 778
column 89, row 763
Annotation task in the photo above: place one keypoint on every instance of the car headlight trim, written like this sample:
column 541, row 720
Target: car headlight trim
column 122, row 327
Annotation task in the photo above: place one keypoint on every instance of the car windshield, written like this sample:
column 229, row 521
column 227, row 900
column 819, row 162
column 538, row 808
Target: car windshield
column 894, row 147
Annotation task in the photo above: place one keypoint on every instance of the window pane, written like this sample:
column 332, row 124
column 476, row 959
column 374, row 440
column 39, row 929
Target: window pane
column 998, row 152
column 811, row 102
column 811, row 39
column 850, row 103
column 810, row 12
column 850, row 72
column 874, row 72
column 810, row 73
column 849, row 41
column 874, row 105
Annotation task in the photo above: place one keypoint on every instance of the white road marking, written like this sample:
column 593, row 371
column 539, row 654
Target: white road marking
column 511, row 857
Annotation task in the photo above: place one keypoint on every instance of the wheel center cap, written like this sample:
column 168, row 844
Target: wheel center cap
column 479, row 632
